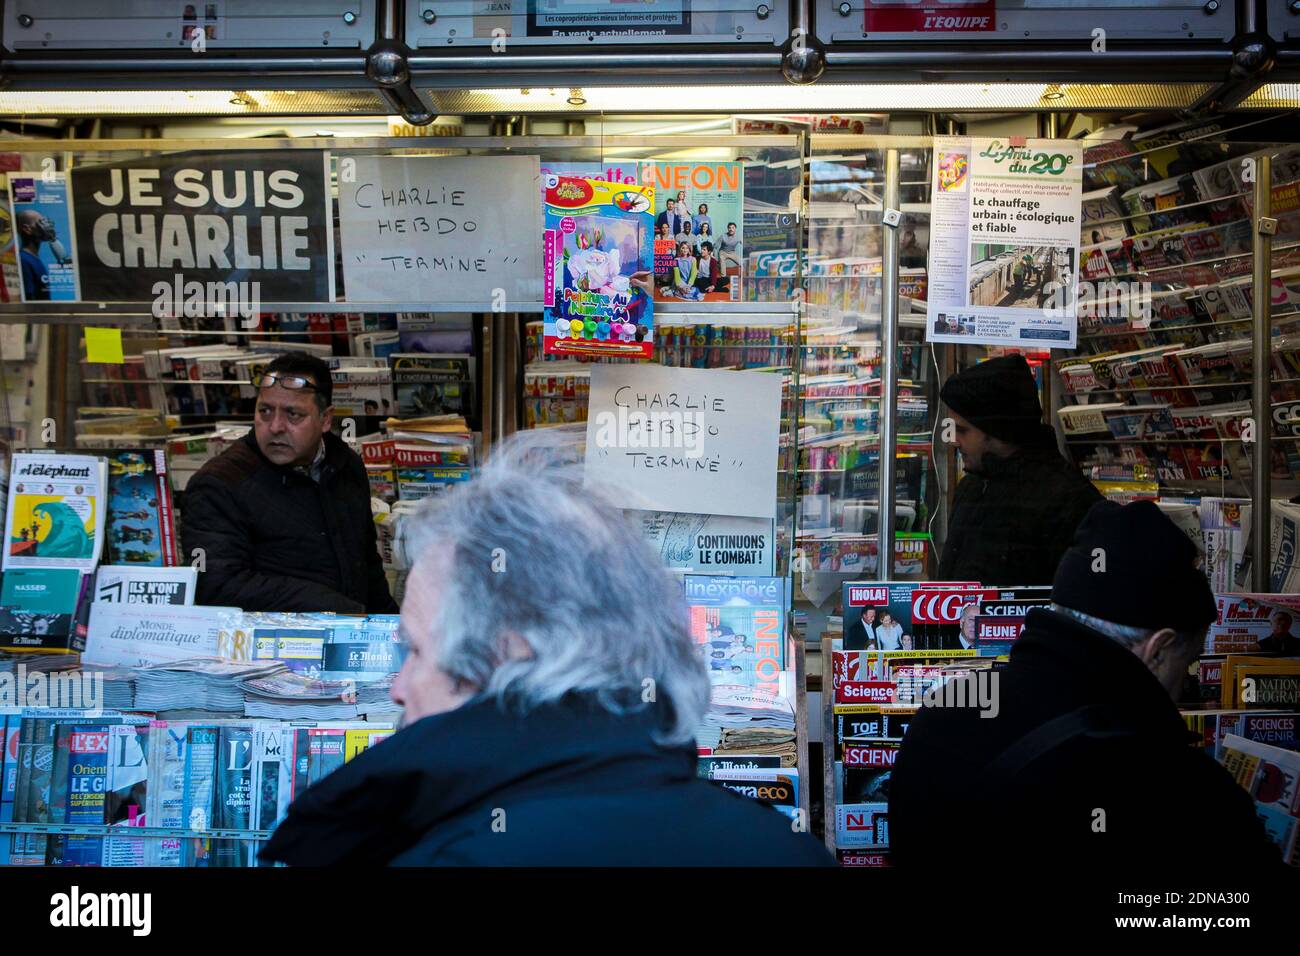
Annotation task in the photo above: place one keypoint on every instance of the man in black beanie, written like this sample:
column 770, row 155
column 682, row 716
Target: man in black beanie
column 1017, row 507
column 1074, row 757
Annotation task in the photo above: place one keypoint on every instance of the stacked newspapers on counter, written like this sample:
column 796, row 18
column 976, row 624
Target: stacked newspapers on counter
column 285, row 695
column 749, row 716
column 201, row 684
column 117, row 686
column 34, row 663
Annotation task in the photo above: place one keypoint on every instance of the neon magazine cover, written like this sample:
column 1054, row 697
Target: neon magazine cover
column 738, row 625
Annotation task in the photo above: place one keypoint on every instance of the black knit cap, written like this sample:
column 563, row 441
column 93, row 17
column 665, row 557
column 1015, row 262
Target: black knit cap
column 1150, row 579
column 998, row 397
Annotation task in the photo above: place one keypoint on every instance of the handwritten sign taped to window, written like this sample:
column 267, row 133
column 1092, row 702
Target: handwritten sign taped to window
column 693, row 440
column 463, row 229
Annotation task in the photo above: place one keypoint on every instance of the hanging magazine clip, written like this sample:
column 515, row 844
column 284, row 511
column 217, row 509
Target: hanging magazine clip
column 892, row 218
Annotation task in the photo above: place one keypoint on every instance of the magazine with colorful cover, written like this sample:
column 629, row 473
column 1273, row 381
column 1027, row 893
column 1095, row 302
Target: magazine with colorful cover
column 900, row 616
column 597, row 268
column 416, row 484
column 433, row 384
column 778, row 788
column 87, row 779
column 859, row 825
column 37, row 607
column 707, row 208
column 738, row 625
column 619, row 173
column 1249, row 623
column 54, row 517
column 198, row 786
column 43, row 237
column 860, row 678
column 862, row 777
column 296, row 642
column 141, row 517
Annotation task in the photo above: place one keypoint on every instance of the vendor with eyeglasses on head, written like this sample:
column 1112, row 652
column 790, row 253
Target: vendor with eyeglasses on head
column 282, row 520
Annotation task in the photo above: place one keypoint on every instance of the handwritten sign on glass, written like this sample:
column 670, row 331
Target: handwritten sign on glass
column 425, row 229
column 702, row 441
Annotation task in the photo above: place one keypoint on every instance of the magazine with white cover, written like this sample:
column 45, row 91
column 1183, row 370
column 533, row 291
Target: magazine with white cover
column 1283, row 535
column 272, row 767
column 123, row 584
column 126, row 803
column 167, row 748
column 1225, row 530
column 136, row 634
column 54, row 517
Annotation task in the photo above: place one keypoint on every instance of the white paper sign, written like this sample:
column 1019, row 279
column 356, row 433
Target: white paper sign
column 419, row 229
column 1004, row 242
column 710, row 544
column 132, row 635
column 691, row 440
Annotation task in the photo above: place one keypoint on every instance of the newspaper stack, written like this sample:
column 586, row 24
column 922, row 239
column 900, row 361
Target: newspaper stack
column 289, row 696
column 759, row 740
column 118, row 687
column 376, row 703
column 199, row 684
column 37, row 663
column 736, row 707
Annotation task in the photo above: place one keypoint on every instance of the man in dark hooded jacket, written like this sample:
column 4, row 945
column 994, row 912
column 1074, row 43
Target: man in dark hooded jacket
column 1075, row 758
column 1017, row 507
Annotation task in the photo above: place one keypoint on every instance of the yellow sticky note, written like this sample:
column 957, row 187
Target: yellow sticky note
column 104, row 345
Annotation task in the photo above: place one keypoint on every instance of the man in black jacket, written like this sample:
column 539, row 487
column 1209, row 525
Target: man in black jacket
column 283, row 518
column 1074, row 759
column 1017, row 507
column 551, row 693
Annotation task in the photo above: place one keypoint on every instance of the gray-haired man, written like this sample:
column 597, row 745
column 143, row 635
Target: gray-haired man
column 551, row 693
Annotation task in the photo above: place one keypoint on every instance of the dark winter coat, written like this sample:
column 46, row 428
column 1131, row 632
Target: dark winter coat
column 1115, row 787
column 564, row 785
column 1012, row 521
column 274, row 540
